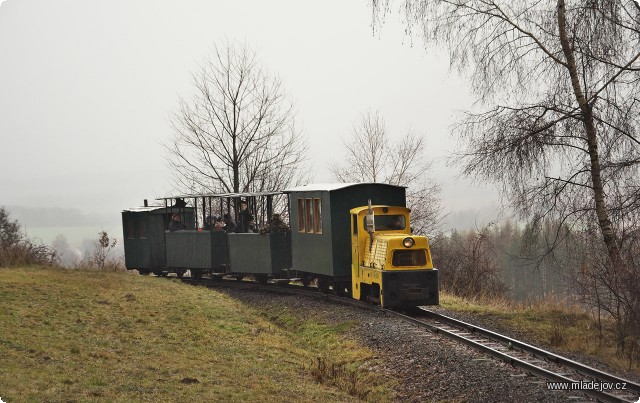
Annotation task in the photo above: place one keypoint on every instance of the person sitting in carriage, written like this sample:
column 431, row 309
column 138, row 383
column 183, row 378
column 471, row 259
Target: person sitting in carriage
column 229, row 225
column 176, row 224
column 275, row 225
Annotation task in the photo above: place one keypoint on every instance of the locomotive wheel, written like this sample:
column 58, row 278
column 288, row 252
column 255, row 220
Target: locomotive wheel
column 180, row 273
column 197, row 274
column 239, row 277
column 306, row 281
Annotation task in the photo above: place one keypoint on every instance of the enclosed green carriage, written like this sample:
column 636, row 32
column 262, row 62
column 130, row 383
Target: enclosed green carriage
column 143, row 235
column 321, row 227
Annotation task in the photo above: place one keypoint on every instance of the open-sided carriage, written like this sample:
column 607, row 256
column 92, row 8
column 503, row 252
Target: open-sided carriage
column 208, row 252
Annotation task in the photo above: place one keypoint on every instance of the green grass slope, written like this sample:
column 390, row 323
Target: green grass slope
column 68, row 335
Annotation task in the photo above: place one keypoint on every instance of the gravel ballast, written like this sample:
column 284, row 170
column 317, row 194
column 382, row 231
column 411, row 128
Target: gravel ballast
column 428, row 367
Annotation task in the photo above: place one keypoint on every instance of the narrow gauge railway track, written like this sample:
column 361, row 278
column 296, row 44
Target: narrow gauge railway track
column 526, row 357
column 534, row 360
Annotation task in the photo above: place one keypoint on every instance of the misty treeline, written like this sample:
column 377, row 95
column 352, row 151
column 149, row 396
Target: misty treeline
column 557, row 83
column 518, row 262
column 18, row 250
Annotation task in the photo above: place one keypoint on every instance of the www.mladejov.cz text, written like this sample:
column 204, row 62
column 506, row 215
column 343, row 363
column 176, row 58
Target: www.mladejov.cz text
column 587, row 385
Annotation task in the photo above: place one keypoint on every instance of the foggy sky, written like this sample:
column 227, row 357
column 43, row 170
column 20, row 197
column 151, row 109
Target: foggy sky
column 86, row 88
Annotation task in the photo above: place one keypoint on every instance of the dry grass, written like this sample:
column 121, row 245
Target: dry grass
column 567, row 327
column 338, row 362
column 73, row 335
column 27, row 253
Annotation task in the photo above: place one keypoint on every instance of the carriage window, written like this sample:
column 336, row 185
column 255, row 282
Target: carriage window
column 309, row 215
column 301, row 215
column 130, row 233
column 142, row 229
column 317, row 216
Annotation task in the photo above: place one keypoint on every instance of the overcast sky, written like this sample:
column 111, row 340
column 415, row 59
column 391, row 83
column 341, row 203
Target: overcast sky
column 86, row 88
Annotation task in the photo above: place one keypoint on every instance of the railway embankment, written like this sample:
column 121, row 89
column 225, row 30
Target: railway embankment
column 72, row 335
column 426, row 366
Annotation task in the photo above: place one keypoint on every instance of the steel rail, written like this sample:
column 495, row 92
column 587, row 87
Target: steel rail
column 631, row 387
column 558, row 359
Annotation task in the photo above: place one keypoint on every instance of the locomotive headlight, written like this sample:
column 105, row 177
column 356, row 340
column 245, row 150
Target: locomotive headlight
column 408, row 242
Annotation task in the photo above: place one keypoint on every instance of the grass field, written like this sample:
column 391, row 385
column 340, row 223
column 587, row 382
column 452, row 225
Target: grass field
column 70, row 335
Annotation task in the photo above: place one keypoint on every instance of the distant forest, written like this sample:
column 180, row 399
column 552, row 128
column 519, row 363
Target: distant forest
column 510, row 260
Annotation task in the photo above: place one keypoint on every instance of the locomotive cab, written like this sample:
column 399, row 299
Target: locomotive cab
column 389, row 265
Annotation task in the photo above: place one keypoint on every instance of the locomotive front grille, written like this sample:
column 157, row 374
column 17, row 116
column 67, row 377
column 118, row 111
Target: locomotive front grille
column 408, row 258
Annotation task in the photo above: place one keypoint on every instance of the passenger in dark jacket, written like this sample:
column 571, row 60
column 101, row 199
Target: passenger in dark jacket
column 229, row 225
column 176, row 224
column 275, row 225
column 245, row 218
column 218, row 225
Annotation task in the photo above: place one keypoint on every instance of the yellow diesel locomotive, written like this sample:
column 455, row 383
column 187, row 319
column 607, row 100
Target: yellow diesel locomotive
column 389, row 265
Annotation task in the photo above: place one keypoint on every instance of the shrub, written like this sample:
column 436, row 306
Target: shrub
column 16, row 250
column 101, row 258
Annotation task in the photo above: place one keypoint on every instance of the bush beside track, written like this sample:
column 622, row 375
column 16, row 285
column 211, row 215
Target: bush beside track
column 89, row 335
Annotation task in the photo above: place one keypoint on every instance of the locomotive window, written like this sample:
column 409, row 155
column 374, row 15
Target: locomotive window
column 309, row 215
column 390, row 222
column 301, row 215
column 317, row 216
column 416, row 257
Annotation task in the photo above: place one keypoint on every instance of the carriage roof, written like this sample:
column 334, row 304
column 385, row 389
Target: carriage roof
column 329, row 187
column 220, row 195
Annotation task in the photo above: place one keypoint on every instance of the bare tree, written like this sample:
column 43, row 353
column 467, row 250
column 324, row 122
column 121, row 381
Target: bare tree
column 371, row 156
column 469, row 263
column 560, row 81
column 100, row 258
column 237, row 133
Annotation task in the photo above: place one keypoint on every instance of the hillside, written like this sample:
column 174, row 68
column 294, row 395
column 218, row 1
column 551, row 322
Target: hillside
column 78, row 335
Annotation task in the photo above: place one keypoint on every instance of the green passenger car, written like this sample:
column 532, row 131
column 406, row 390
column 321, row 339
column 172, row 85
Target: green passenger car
column 143, row 234
column 320, row 224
